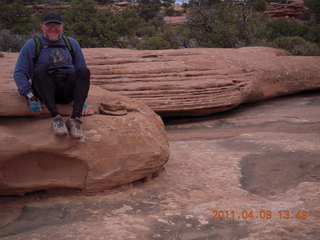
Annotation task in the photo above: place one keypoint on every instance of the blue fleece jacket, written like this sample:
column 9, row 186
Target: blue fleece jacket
column 50, row 57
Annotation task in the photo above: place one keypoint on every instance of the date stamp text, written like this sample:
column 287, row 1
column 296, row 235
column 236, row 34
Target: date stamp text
column 259, row 214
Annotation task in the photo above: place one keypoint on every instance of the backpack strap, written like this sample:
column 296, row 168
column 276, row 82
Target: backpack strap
column 38, row 49
column 69, row 46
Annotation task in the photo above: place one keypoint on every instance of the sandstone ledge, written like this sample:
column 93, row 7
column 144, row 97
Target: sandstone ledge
column 195, row 82
column 191, row 82
column 115, row 149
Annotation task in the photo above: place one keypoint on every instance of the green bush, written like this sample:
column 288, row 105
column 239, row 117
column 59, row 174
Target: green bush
column 184, row 38
column 252, row 28
column 297, row 46
column 167, row 3
column 154, row 43
column 150, row 28
column 148, row 9
column 53, row 2
column 81, row 23
column 155, row 34
column 17, row 18
column 170, row 35
column 146, row 30
column 212, row 26
column 105, row 1
column 314, row 8
column 282, row 28
column 305, row 16
column 203, row 3
column 25, row 2
column 210, row 23
column 285, row 28
column 258, row 5
column 278, row 1
column 11, row 42
column 128, row 22
column 225, row 25
column 312, row 32
column 101, row 28
column 170, row 11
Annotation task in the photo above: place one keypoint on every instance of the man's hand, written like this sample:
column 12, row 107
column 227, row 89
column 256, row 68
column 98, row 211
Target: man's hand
column 85, row 109
column 34, row 105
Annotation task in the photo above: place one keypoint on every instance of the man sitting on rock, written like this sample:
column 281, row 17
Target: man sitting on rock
column 58, row 72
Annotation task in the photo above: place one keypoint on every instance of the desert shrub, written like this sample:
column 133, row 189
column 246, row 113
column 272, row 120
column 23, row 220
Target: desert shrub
column 251, row 27
column 314, row 9
column 212, row 26
column 146, row 30
column 282, row 27
column 258, row 5
column 170, row 35
column 224, row 25
column 154, row 43
column 305, row 16
column 126, row 22
column 278, row 1
column 155, row 34
column 224, row 35
column 297, row 46
column 105, row 1
column 150, row 28
column 203, row 3
column 148, row 9
column 17, row 17
column 167, row 3
column 25, row 2
column 170, row 12
column 100, row 28
column 52, row 2
column 81, row 23
column 185, row 38
column 10, row 41
column 312, row 32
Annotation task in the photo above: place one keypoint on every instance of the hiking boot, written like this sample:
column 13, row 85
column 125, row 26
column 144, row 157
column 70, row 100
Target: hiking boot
column 74, row 127
column 59, row 128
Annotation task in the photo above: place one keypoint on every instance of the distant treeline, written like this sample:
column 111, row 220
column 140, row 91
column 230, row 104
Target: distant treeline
column 210, row 23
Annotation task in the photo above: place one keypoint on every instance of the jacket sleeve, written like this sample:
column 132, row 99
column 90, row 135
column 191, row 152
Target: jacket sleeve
column 79, row 61
column 24, row 68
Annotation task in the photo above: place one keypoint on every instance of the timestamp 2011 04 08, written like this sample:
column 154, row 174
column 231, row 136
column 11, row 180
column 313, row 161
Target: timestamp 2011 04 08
column 259, row 214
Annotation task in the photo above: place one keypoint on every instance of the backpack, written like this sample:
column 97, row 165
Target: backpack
column 39, row 47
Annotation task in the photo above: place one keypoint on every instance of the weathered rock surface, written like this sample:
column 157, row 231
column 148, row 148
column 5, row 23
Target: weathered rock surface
column 194, row 82
column 256, row 158
column 124, row 143
column 189, row 82
column 292, row 9
column 175, row 20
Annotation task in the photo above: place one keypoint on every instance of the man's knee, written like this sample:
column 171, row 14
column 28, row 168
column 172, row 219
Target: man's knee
column 83, row 73
column 41, row 74
column 40, row 70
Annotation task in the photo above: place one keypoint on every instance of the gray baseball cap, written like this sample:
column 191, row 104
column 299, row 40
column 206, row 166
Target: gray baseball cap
column 51, row 17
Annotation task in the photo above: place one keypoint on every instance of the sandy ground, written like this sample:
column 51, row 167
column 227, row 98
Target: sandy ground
column 250, row 173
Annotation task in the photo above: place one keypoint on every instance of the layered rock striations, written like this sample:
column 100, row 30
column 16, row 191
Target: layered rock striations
column 124, row 141
column 191, row 82
column 292, row 9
